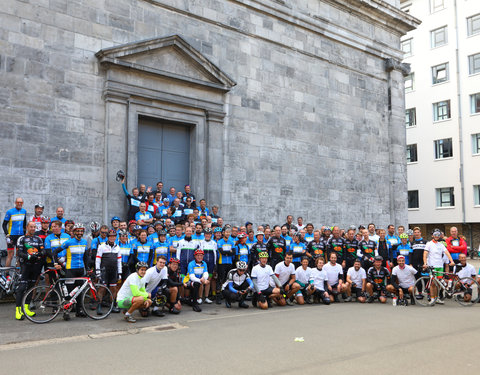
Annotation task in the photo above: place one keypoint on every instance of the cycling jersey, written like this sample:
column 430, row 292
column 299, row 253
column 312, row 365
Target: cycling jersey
column 145, row 216
column 196, row 271
column 143, row 252
column 276, row 247
column 308, row 237
column 298, row 249
column 316, row 249
column 262, row 274
column 257, row 248
column 383, row 250
column 163, row 210
column 210, row 254
column 418, row 246
column 175, row 240
column 236, row 281
column 368, row 250
column 405, row 250
column 203, row 212
column 15, row 222
column 75, row 252
column 153, row 277
column 465, row 271
column 97, row 241
column 37, row 220
column 393, row 242
column 198, row 238
column 351, row 251
column 30, row 249
column 288, row 240
column 379, row 277
column 153, row 238
column 242, row 253
column 226, row 251
column 52, row 241
column 185, row 253
column 133, row 203
column 126, row 249
column 250, row 243
column 108, row 257
column 161, row 248
column 152, row 208
column 62, row 220
column 337, row 246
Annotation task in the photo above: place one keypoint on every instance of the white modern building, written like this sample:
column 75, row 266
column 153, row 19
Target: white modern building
column 443, row 116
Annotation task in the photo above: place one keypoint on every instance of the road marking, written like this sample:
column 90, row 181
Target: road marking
column 61, row 340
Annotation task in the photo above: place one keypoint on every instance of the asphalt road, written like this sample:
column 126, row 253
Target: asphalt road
column 343, row 338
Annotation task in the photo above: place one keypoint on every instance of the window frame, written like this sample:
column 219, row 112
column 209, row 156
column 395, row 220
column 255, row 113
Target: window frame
column 476, row 144
column 412, row 78
column 448, row 112
column 475, row 103
column 438, row 8
column 470, row 20
column 402, row 43
column 412, row 199
column 412, row 153
column 440, row 194
column 476, row 195
column 433, row 33
column 439, row 148
column 408, row 114
column 472, row 61
column 435, row 70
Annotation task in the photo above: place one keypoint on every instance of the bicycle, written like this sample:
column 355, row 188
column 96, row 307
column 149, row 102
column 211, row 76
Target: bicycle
column 454, row 287
column 47, row 301
column 9, row 288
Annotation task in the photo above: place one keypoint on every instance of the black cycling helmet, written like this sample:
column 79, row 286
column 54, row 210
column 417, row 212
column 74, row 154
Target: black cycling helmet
column 141, row 265
column 378, row 257
column 162, row 233
column 208, row 230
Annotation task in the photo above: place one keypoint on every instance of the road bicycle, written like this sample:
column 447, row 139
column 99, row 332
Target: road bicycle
column 464, row 290
column 9, row 287
column 47, row 301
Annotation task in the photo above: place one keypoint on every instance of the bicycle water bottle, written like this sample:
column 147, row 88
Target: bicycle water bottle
column 394, row 302
column 72, row 293
column 64, row 290
column 3, row 281
column 8, row 282
column 449, row 284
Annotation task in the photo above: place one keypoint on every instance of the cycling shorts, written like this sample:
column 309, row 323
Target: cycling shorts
column 358, row 292
column 267, row 292
column 110, row 276
column 125, row 303
column 12, row 243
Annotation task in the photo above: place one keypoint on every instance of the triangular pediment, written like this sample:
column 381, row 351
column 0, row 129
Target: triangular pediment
column 169, row 57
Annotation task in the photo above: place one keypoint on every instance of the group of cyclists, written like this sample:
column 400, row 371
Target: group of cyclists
column 171, row 252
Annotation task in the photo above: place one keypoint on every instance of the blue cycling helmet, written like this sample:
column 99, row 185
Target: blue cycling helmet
column 115, row 218
column 217, row 229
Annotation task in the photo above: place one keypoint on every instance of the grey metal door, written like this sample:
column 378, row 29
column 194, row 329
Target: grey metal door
column 163, row 154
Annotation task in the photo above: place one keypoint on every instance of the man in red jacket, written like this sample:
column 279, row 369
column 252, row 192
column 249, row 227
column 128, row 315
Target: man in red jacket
column 455, row 244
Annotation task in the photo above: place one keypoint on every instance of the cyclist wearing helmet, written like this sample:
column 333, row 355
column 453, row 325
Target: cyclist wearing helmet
column 31, row 254
column 378, row 277
column 115, row 222
column 97, row 241
column 158, row 226
column 126, row 251
column 258, row 247
column 299, row 249
column 262, row 273
column 161, row 247
column 108, row 265
column 237, row 286
column 44, row 228
column 217, row 234
column 209, row 248
column 74, row 252
column 198, row 277
column 226, row 253
column 132, row 295
column 241, row 249
column 69, row 226
column 37, row 216
column 404, row 248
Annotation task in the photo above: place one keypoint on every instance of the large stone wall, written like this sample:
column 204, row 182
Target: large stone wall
column 309, row 127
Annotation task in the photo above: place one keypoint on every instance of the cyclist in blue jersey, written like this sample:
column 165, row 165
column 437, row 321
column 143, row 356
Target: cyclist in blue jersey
column 198, row 236
column 176, row 239
column 143, row 217
column 241, row 249
column 157, row 226
column 14, row 225
column 74, row 251
column 188, row 207
column 185, row 251
column 393, row 241
column 404, row 248
column 162, row 210
column 217, row 234
column 286, row 237
column 202, row 208
column 309, row 233
column 53, row 241
column 250, row 239
column 126, row 251
column 225, row 247
column 133, row 199
column 60, row 212
column 161, row 247
column 209, row 248
column 96, row 242
column 142, row 249
column 198, row 277
column 298, row 249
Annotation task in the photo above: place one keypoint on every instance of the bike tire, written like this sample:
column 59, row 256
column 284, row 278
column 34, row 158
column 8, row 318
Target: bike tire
column 44, row 301
column 459, row 296
column 420, row 289
column 93, row 298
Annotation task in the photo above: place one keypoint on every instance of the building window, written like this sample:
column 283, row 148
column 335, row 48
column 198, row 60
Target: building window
column 412, row 153
column 445, row 197
column 440, row 73
column 476, row 144
column 476, row 195
column 474, row 63
column 473, row 25
column 436, row 5
column 439, row 37
column 443, row 148
column 413, row 199
column 441, row 110
column 406, row 46
column 410, row 117
column 475, row 103
column 409, row 81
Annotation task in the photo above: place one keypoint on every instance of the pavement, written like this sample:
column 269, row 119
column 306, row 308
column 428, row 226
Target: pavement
column 337, row 339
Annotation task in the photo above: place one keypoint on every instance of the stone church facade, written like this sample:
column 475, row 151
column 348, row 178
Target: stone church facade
column 290, row 106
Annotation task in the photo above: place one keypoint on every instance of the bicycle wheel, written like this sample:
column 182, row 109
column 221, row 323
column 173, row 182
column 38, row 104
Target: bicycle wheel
column 97, row 303
column 422, row 290
column 44, row 302
column 466, row 291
